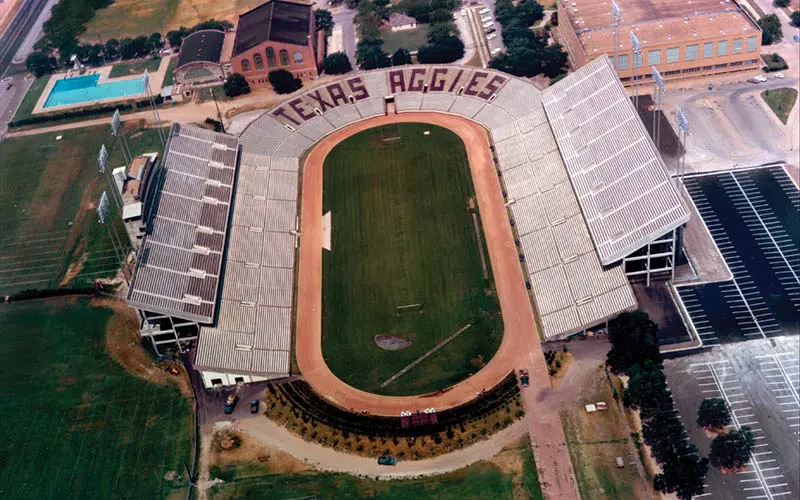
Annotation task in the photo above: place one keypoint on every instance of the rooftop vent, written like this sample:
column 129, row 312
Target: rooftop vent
column 192, row 299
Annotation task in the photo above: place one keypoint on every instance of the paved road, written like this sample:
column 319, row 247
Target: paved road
column 11, row 98
column 20, row 26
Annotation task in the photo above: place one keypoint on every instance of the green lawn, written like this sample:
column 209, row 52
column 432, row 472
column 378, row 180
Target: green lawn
column 480, row 481
column 31, row 98
column 75, row 423
column 530, row 476
column 781, row 101
column 169, row 77
column 411, row 40
column 48, row 189
column 402, row 235
column 134, row 67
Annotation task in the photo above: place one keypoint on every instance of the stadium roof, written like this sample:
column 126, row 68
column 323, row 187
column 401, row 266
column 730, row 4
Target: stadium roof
column 201, row 46
column 254, row 328
column 276, row 21
column 179, row 261
column 618, row 176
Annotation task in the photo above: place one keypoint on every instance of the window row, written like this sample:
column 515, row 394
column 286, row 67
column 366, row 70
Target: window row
column 648, row 76
column 691, row 53
column 258, row 59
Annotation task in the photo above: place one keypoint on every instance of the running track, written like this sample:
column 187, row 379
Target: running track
column 520, row 347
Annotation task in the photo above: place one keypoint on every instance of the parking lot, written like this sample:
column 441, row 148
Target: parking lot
column 759, row 380
column 752, row 216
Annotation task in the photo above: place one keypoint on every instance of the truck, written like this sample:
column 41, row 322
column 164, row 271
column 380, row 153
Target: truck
column 524, row 379
column 230, row 404
column 387, row 460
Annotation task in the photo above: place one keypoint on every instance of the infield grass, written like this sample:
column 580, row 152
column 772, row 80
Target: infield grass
column 401, row 235
column 75, row 423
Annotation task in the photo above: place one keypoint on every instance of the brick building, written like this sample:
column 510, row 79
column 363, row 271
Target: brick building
column 279, row 34
column 701, row 38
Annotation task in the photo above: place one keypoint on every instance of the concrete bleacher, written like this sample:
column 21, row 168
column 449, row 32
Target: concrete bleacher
column 264, row 135
column 410, row 101
column 342, row 115
column 374, row 106
column 437, row 101
column 466, row 106
column 315, row 129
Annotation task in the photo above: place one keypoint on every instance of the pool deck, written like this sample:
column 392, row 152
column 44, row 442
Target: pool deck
column 156, row 79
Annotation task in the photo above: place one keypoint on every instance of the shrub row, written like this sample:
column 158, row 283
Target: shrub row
column 83, row 112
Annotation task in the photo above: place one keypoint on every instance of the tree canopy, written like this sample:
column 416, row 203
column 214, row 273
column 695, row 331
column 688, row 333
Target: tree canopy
column 235, row 85
column 771, row 30
column 634, row 340
column 684, row 477
column 401, row 57
column 713, row 414
column 370, row 54
column 323, row 19
column 446, row 49
column 336, row 63
column 795, row 19
column 40, row 63
column 732, row 450
column 284, row 82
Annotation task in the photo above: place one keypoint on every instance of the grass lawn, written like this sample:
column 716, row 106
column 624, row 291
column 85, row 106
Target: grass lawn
column 75, row 423
column 411, row 40
column 402, row 235
column 134, row 67
column 169, row 77
column 594, row 441
column 781, row 101
column 48, row 189
column 142, row 17
column 480, row 481
column 31, row 98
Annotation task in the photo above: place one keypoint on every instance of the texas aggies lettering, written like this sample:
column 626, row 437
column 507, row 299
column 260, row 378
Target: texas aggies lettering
column 479, row 84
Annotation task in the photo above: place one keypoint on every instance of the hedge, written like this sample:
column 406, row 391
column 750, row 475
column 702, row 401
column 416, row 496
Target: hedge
column 84, row 112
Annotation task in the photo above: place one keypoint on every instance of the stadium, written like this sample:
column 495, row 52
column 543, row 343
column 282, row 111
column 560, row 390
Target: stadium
column 574, row 203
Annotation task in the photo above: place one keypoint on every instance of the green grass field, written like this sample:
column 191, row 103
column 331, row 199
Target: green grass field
column 75, row 423
column 411, row 40
column 134, row 67
column 402, row 235
column 780, row 101
column 48, row 192
column 31, row 98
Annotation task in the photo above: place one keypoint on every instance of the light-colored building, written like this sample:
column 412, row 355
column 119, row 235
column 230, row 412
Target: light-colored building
column 203, row 61
column 697, row 39
column 402, row 22
column 279, row 34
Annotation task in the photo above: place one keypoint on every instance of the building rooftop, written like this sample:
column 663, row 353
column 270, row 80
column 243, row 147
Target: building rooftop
column 276, row 21
column 203, row 45
column 397, row 20
column 179, row 261
column 623, row 189
column 655, row 22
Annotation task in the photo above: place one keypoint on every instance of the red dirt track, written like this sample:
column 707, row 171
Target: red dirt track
column 520, row 347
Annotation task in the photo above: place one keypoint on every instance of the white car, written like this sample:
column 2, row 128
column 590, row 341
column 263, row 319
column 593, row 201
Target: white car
column 484, row 11
column 779, row 76
column 496, row 51
column 463, row 12
column 486, row 19
column 488, row 24
column 491, row 36
column 759, row 79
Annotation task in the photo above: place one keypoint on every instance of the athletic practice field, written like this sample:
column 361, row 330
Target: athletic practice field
column 404, row 262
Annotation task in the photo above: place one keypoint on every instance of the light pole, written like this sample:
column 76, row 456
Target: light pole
column 119, row 249
column 617, row 13
column 658, row 82
column 683, row 130
column 637, row 54
column 116, row 131
column 146, row 80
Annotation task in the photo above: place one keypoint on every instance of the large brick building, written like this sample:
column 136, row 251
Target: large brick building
column 701, row 38
column 279, row 34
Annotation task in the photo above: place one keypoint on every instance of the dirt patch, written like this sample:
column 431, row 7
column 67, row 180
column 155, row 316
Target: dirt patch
column 391, row 342
column 251, row 458
column 510, row 461
column 76, row 266
column 122, row 342
column 89, row 426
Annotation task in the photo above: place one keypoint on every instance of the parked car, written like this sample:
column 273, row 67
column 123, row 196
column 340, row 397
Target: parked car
column 484, row 11
column 779, row 76
column 254, row 404
column 486, row 19
column 492, row 36
column 490, row 31
column 496, row 51
column 463, row 12
column 230, row 404
column 524, row 378
column 387, row 460
column 487, row 24
column 758, row 79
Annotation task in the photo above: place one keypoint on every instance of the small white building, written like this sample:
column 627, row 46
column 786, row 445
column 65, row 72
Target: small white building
column 401, row 22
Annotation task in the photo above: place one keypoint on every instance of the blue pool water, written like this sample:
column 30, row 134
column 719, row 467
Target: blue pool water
column 86, row 89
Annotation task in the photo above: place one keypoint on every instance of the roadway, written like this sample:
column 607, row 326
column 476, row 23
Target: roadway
column 24, row 22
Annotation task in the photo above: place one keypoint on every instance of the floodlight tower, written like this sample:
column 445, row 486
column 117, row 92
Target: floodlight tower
column 683, row 132
column 103, row 216
column 152, row 100
column 617, row 13
column 116, row 131
column 102, row 167
column 637, row 53
column 658, row 82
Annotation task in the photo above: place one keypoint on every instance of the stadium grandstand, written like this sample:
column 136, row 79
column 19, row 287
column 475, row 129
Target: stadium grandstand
column 587, row 193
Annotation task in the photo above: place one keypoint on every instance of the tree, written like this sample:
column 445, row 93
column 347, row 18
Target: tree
column 796, row 19
column 175, row 37
column 634, row 340
column 140, row 44
column 127, row 49
column 370, row 55
column 713, row 414
column 284, row 82
column 40, row 63
column 323, row 19
column 236, row 85
column 647, row 386
column 683, row 475
column 154, row 43
column 529, row 12
column 446, row 50
column 732, row 450
column 781, row 3
column 401, row 57
column 771, row 31
column 111, row 49
column 336, row 64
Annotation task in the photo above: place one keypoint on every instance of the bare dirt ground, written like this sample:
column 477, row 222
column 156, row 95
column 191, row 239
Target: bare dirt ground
column 520, row 347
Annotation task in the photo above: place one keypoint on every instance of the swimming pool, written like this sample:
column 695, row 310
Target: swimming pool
column 86, row 89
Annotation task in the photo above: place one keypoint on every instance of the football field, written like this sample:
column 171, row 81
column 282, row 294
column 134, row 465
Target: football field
column 405, row 262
